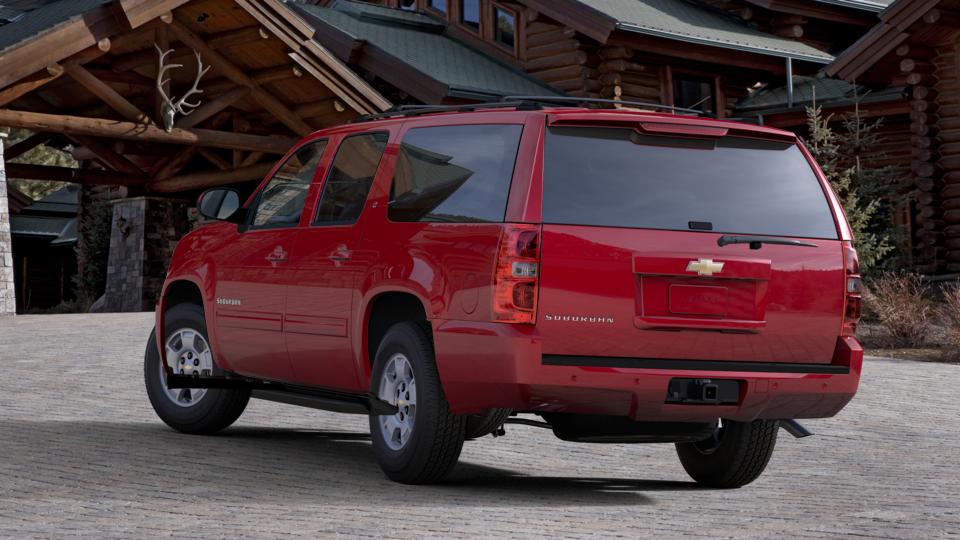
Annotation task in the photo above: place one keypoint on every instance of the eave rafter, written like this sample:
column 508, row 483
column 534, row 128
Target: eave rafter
column 107, row 56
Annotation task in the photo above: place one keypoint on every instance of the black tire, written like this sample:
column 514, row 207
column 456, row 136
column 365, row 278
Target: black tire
column 216, row 409
column 436, row 436
column 735, row 458
column 485, row 423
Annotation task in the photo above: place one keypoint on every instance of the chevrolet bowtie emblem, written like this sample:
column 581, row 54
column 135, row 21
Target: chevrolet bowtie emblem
column 705, row 267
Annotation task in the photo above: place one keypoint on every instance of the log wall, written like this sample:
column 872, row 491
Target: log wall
column 946, row 68
column 562, row 58
column 927, row 226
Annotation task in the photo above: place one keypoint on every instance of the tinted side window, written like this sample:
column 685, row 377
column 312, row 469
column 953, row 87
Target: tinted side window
column 281, row 201
column 350, row 178
column 454, row 173
column 619, row 178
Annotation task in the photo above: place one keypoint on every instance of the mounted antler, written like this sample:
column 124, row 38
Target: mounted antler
column 172, row 108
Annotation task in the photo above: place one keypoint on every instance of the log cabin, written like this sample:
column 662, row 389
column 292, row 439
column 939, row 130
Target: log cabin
column 84, row 74
column 916, row 45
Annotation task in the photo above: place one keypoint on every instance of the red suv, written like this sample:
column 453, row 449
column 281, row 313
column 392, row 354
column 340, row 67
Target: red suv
column 628, row 276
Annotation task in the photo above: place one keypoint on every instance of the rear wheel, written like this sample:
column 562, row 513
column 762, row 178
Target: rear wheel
column 735, row 456
column 197, row 411
column 421, row 443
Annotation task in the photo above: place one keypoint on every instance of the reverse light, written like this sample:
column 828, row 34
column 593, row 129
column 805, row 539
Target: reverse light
column 515, row 281
column 853, row 297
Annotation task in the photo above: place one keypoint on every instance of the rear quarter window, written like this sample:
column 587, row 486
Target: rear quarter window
column 617, row 177
column 454, row 173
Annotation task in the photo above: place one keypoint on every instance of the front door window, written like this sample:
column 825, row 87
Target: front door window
column 281, row 201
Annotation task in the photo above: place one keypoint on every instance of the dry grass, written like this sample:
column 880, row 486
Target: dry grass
column 902, row 307
column 950, row 315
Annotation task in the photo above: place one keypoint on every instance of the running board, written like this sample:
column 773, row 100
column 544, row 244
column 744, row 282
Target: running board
column 316, row 398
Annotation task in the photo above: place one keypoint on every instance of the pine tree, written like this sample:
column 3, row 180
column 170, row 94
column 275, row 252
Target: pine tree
column 861, row 188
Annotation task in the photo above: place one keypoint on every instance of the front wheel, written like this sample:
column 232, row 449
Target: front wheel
column 735, row 456
column 190, row 410
column 421, row 443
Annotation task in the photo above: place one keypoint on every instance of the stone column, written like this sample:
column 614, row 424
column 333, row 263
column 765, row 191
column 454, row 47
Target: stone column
column 144, row 232
column 8, row 301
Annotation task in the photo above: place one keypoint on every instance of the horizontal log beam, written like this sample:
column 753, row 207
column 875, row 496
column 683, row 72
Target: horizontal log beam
column 99, row 127
column 203, row 180
column 77, row 176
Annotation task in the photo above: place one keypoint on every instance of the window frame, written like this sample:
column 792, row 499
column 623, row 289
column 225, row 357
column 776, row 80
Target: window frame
column 712, row 80
column 428, row 7
column 254, row 204
column 517, row 24
column 329, row 171
column 459, row 21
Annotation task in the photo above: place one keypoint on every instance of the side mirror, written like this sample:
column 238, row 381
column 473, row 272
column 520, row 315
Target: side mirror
column 221, row 204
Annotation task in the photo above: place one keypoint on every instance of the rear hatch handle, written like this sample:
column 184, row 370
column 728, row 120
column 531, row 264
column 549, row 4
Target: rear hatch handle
column 757, row 241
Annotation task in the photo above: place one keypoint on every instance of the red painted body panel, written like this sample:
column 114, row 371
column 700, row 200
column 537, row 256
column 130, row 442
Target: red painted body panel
column 304, row 308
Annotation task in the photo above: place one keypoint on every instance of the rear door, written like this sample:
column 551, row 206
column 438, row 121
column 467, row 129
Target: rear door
column 326, row 266
column 631, row 265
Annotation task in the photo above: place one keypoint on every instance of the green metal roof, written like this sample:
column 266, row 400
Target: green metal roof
column 420, row 41
column 698, row 23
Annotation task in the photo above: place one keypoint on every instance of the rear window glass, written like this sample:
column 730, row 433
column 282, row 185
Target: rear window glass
column 454, row 173
column 617, row 177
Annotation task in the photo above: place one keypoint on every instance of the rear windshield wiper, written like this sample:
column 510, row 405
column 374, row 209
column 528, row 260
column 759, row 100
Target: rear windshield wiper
column 757, row 241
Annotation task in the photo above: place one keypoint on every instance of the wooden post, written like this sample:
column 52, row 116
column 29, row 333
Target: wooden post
column 8, row 300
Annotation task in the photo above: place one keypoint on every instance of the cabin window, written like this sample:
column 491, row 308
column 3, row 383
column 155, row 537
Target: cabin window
column 505, row 31
column 438, row 5
column 694, row 93
column 409, row 5
column 470, row 14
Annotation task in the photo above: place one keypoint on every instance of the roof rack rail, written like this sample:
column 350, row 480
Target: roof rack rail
column 561, row 100
column 417, row 110
column 528, row 103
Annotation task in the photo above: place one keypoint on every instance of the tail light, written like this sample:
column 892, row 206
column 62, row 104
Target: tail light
column 853, row 291
column 515, row 281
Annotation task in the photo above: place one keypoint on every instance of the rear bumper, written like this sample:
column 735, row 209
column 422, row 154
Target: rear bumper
column 485, row 365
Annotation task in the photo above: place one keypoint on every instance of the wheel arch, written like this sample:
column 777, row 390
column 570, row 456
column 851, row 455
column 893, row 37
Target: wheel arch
column 383, row 310
column 182, row 290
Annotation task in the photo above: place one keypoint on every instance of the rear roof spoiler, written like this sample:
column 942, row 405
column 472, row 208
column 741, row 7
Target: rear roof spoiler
column 661, row 124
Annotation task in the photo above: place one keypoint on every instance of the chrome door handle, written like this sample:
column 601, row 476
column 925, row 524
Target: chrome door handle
column 341, row 254
column 277, row 256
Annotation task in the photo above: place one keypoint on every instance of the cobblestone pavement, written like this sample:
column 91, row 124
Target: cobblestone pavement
column 81, row 452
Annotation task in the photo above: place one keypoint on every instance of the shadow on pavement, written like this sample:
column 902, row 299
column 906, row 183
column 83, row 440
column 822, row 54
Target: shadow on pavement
column 249, row 465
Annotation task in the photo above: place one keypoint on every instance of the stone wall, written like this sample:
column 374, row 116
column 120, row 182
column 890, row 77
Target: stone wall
column 144, row 233
column 8, row 301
